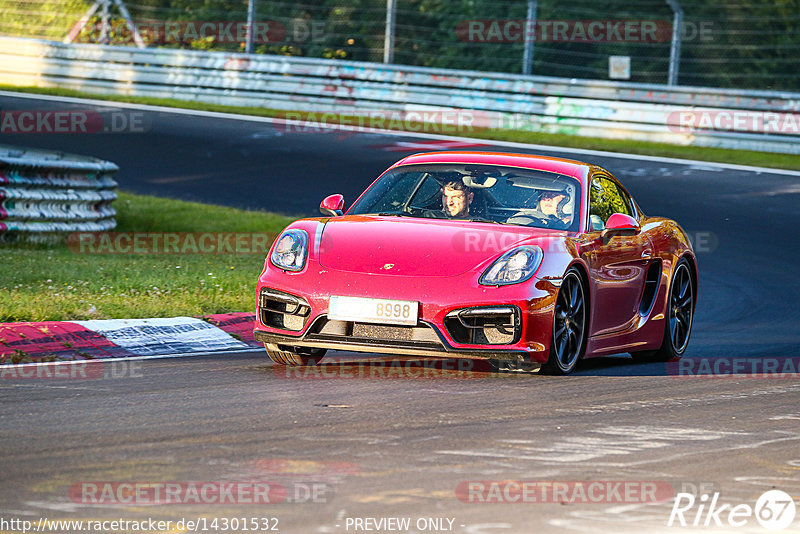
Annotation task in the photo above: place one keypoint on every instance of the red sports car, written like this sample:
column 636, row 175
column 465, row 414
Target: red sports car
column 527, row 260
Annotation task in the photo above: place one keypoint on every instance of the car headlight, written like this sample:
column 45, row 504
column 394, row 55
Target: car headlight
column 291, row 250
column 513, row 267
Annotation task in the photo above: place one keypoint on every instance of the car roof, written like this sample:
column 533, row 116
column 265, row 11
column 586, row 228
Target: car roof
column 577, row 169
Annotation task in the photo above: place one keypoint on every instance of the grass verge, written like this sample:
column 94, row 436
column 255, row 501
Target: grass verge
column 722, row 155
column 41, row 282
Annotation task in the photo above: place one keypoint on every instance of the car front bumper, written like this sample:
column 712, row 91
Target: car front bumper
column 457, row 316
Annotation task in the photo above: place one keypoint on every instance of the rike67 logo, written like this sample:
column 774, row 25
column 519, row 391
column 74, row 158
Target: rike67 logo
column 774, row 510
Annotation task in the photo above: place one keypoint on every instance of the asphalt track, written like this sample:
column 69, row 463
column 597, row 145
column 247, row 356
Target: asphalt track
column 399, row 445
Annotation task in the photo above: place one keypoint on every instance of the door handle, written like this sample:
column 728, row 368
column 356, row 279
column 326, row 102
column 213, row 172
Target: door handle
column 647, row 254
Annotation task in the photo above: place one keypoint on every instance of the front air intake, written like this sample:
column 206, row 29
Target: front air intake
column 490, row 325
column 282, row 310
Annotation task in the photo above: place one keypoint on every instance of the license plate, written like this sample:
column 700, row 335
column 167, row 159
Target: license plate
column 368, row 310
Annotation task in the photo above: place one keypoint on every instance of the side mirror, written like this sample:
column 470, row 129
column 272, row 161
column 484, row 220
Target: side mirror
column 332, row 206
column 619, row 224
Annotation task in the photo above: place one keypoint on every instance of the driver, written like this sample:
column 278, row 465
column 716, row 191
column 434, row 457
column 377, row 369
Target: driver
column 456, row 198
column 551, row 203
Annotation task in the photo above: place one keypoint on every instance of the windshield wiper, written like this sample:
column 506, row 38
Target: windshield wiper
column 394, row 213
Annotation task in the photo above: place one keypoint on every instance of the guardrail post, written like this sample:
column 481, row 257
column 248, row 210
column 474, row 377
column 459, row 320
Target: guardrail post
column 388, row 41
column 251, row 15
column 675, row 48
column 530, row 37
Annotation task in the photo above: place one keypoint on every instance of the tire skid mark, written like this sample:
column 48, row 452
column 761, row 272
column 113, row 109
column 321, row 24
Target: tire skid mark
column 681, row 402
column 611, row 441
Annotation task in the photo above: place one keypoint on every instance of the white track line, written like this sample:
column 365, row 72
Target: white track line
column 509, row 144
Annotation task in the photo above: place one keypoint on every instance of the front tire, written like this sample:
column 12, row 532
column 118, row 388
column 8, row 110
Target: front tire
column 679, row 316
column 285, row 355
column 570, row 322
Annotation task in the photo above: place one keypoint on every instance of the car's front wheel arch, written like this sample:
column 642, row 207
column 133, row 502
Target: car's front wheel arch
column 690, row 259
column 569, row 337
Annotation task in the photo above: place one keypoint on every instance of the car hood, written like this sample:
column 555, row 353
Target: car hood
column 414, row 247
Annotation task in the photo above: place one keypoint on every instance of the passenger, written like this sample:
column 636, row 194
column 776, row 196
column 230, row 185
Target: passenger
column 552, row 203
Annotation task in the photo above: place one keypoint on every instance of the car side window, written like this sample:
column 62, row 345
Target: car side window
column 606, row 199
column 627, row 202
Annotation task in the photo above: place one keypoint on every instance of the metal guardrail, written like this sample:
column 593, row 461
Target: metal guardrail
column 752, row 120
column 44, row 193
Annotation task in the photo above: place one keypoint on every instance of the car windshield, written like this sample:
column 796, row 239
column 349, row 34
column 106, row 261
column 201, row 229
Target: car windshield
column 486, row 193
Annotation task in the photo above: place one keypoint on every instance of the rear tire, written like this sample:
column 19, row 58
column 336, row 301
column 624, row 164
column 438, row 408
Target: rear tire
column 285, row 355
column 678, row 318
column 570, row 322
